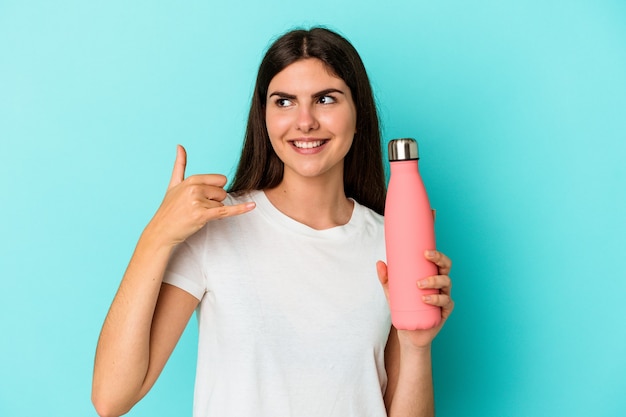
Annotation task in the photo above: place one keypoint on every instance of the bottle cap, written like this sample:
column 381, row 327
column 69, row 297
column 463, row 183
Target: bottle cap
column 404, row 149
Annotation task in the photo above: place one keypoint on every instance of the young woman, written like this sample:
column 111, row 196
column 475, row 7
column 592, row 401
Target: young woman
column 293, row 319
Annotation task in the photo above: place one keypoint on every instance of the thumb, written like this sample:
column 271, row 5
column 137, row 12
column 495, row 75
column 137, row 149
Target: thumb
column 178, row 174
column 381, row 269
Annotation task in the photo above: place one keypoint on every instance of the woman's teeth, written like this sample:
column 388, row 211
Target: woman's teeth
column 308, row 144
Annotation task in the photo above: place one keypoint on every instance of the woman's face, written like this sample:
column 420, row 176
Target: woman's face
column 311, row 119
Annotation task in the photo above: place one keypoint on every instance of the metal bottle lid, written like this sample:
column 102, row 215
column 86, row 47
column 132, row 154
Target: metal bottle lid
column 404, row 149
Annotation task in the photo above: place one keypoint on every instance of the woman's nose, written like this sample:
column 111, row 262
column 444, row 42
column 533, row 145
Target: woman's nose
column 306, row 119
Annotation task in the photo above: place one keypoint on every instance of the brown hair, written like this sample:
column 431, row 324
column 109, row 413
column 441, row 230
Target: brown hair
column 259, row 166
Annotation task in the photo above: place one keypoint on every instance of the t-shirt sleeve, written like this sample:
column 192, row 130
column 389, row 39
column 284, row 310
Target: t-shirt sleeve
column 185, row 270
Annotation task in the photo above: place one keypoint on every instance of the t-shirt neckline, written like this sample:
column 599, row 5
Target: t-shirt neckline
column 265, row 206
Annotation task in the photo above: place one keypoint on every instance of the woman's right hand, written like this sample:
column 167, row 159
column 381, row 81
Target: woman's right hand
column 190, row 203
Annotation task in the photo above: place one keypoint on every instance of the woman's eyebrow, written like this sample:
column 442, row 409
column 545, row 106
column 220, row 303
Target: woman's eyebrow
column 283, row 95
column 314, row 95
column 326, row 92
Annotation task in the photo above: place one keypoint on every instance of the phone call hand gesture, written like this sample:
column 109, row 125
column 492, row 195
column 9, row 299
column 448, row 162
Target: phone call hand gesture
column 190, row 203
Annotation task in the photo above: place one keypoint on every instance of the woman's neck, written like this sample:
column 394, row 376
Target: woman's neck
column 318, row 204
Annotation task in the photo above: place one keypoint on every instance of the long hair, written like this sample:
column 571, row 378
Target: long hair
column 259, row 166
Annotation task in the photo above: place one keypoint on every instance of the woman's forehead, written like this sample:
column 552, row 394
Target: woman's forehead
column 305, row 74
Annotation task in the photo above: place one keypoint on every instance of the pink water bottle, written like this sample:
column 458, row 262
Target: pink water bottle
column 409, row 231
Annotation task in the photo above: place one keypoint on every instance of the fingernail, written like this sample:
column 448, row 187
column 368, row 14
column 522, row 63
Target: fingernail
column 430, row 253
column 426, row 298
column 422, row 283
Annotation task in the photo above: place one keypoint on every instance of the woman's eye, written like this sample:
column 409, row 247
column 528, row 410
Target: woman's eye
column 283, row 102
column 327, row 100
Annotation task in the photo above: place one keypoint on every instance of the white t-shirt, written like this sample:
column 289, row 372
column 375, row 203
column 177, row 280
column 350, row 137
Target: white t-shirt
column 292, row 321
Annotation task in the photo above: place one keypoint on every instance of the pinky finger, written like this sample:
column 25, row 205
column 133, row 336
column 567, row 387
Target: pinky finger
column 440, row 300
column 229, row 211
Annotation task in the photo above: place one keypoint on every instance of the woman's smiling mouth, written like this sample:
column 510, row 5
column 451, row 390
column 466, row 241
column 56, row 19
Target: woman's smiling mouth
column 308, row 144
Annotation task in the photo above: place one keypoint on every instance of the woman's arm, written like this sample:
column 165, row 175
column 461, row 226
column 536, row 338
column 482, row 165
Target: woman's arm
column 139, row 333
column 408, row 352
column 410, row 382
column 147, row 317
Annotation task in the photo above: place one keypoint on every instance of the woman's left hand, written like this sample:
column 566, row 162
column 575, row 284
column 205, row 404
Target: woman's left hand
column 441, row 282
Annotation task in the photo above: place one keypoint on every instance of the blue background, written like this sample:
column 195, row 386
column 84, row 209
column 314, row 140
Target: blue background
column 520, row 110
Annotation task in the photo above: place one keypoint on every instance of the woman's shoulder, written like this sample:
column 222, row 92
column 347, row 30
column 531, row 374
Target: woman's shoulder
column 238, row 197
column 216, row 230
column 369, row 216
